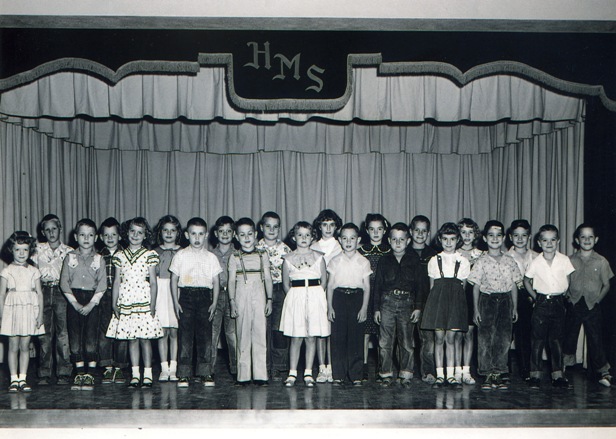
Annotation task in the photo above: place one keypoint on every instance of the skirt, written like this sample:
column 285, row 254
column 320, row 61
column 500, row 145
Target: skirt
column 21, row 308
column 304, row 313
column 164, row 304
column 446, row 306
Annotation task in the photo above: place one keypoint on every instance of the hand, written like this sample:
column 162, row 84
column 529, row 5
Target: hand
column 331, row 314
column 415, row 316
column 477, row 318
column 362, row 315
column 211, row 310
column 514, row 316
column 116, row 310
column 233, row 309
column 377, row 317
column 39, row 320
column 178, row 309
column 153, row 310
column 268, row 308
column 78, row 307
column 85, row 310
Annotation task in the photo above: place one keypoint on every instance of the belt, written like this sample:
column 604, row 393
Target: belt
column 550, row 296
column 399, row 292
column 348, row 290
column 51, row 284
column 306, row 282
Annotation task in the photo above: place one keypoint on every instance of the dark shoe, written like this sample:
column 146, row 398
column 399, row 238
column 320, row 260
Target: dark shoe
column 63, row 380
column 14, row 387
column 338, row 383
column 387, row 381
column 454, row 383
column 357, row 383
column 276, row 375
column 77, row 382
column 87, row 382
column 242, row 383
column 24, row 387
column 134, row 383
column 487, row 384
column 183, row 383
column 261, row 383
column 405, row 382
column 43, row 381
column 506, row 378
column 561, row 383
column 208, row 381
column 107, row 376
column 499, row 383
column 118, row 376
column 534, row 383
column 438, row 383
column 147, row 383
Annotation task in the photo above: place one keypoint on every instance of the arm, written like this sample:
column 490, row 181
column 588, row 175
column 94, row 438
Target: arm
column 115, row 293
column 363, row 312
column 269, row 285
column 174, row 294
column 514, row 303
column 101, row 287
column 231, row 280
column 286, row 281
column 38, row 287
column 65, row 286
column 477, row 314
column 528, row 284
column 215, row 293
column 331, row 314
column 376, row 294
column 323, row 273
column 3, row 287
column 153, row 288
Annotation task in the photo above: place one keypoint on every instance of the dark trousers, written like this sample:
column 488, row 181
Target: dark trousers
column 222, row 318
column 395, row 326
column 347, row 337
column 83, row 330
column 522, row 331
column 54, row 318
column 195, row 331
column 111, row 352
column 277, row 342
column 494, row 333
column 426, row 338
column 547, row 326
column 578, row 315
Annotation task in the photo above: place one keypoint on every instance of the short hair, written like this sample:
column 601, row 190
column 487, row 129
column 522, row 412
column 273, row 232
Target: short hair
column 302, row 225
column 50, row 217
column 138, row 221
column 467, row 222
column 270, row 214
column 221, row 221
column 109, row 222
column 400, row 227
column 326, row 215
column 493, row 223
column 196, row 221
column 548, row 228
column 245, row 222
column 167, row 219
column 578, row 230
column 419, row 219
column 350, row 226
column 85, row 222
column 519, row 223
column 449, row 229
column 18, row 237
column 376, row 217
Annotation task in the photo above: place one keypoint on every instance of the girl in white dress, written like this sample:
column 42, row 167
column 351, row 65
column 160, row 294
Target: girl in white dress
column 21, row 310
column 304, row 312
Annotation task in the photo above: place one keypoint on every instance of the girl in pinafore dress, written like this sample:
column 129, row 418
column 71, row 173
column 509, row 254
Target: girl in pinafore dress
column 304, row 312
column 445, row 311
column 134, row 299
column 168, row 233
column 21, row 310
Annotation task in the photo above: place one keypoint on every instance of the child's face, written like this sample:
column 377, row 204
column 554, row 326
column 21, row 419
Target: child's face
column 110, row 237
column 420, row 233
column 449, row 243
column 328, row 228
column 270, row 228
column 587, row 239
column 85, row 237
column 224, row 234
column 169, row 233
column 399, row 240
column 21, row 253
column 519, row 237
column 246, row 236
column 136, row 235
column 376, row 231
column 51, row 231
column 348, row 240
column 548, row 241
column 494, row 238
column 196, row 236
column 468, row 236
column 303, row 237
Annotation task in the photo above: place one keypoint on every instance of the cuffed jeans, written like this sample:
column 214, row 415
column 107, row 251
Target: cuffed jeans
column 222, row 316
column 396, row 325
column 111, row 352
column 547, row 326
column 347, row 337
column 195, row 331
column 83, row 330
column 54, row 318
column 494, row 333
column 277, row 342
column 522, row 331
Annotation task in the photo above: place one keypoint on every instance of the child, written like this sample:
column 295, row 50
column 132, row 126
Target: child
column 277, row 343
column 494, row 277
column 397, row 305
column 420, row 236
column 83, row 282
column 325, row 226
column 304, row 312
column 113, row 353
column 21, row 313
column 168, row 234
column 223, row 232
column 194, row 288
column 376, row 227
column 547, row 280
column 590, row 282
column 134, row 299
column 471, row 235
column 519, row 234
column 446, row 309
column 348, row 293
column 48, row 258
column 250, row 298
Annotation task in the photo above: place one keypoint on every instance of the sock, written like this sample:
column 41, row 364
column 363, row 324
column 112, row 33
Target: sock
column 457, row 372
column 80, row 366
column 307, row 372
column 164, row 367
column 440, row 373
column 449, row 372
column 91, row 365
column 147, row 372
column 466, row 370
column 136, row 373
column 293, row 372
column 21, row 377
column 108, row 368
column 14, row 378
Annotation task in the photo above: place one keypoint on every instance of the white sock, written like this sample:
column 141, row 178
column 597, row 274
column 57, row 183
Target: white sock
column 293, row 372
column 307, row 372
column 14, row 378
column 457, row 372
column 147, row 372
column 450, row 372
column 91, row 365
column 21, row 377
column 440, row 372
column 136, row 373
column 164, row 366
column 108, row 368
column 466, row 370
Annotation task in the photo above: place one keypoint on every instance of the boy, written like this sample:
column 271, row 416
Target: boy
column 194, row 271
column 397, row 303
column 223, row 231
column 48, row 258
column 348, row 292
column 83, row 282
column 277, row 343
column 590, row 282
column 113, row 353
column 494, row 277
column 547, row 280
column 420, row 236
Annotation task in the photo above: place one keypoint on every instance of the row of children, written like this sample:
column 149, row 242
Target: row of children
column 267, row 293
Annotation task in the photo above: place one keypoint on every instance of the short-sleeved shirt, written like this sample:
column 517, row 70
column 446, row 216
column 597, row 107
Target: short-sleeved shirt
column 49, row 261
column 223, row 260
column 449, row 264
column 591, row 273
column 523, row 260
column 195, row 268
column 550, row 279
column 495, row 276
column 275, row 253
column 21, row 278
column 329, row 248
column 348, row 272
column 166, row 256
column 83, row 272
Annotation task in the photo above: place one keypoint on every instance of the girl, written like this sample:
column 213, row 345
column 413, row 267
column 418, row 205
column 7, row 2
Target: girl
column 445, row 309
column 519, row 237
column 134, row 298
column 304, row 312
column 168, row 233
column 376, row 227
column 21, row 310
column 471, row 236
column 326, row 226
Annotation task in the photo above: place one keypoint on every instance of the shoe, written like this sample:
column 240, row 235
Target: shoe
column 199, row 379
column 378, row 379
column 43, row 381
column 606, row 380
column 328, row 373
column 506, row 378
column 406, row 382
column 467, row 378
column 561, row 383
column 487, row 384
column 498, row 383
column 208, row 381
column 63, row 380
column 276, row 375
column 357, row 383
column 87, row 382
column 14, row 387
column 134, row 383
column 261, row 383
column 24, row 387
column 387, row 381
column 322, row 376
column 454, row 383
column 107, row 376
column 338, row 383
column 428, row 379
column 147, row 382
column 308, row 381
column 118, row 376
column 534, row 383
column 438, row 383
column 164, row 375
column 241, row 383
column 183, row 383
column 172, row 376
column 290, row 381
column 77, row 382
